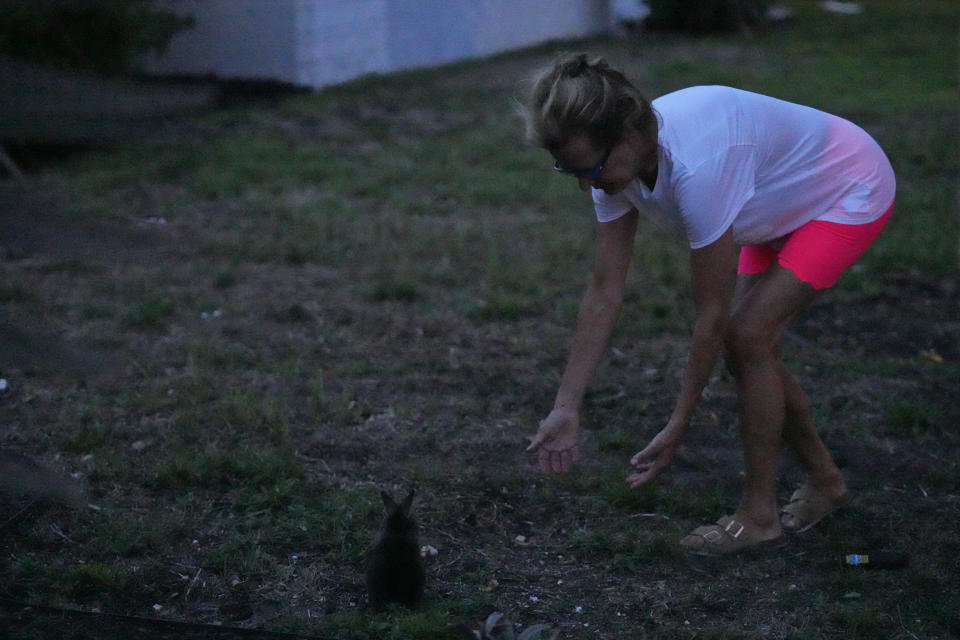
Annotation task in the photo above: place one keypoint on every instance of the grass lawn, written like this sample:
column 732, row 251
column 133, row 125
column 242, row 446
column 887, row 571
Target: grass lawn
column 238, row 327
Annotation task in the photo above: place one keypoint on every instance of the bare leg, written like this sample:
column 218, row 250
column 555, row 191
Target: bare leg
column 762, row 409
column 829, row 490
column 799, row 430
column 801, row 434
column 773, row 408
column 764, row 305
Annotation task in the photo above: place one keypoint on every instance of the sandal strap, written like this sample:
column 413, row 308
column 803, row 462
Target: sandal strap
column 725, row 527
column 727, row 535
column 730, row 526
column 809, row 506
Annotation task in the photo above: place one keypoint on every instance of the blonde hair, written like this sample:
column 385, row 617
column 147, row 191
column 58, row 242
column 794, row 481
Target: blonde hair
column 577, row 95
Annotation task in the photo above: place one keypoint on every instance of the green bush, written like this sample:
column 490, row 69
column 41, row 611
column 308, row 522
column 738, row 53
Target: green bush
column 706, row 16
column 108, row 36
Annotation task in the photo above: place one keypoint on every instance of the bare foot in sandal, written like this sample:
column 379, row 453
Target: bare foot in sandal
column 729, row 535
column 812, row 503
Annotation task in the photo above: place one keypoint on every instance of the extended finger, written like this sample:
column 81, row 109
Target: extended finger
column 566, row 460
column 535, row 443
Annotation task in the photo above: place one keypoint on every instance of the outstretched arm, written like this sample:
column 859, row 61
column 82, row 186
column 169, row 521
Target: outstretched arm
column 557, row 440
column 713, row 272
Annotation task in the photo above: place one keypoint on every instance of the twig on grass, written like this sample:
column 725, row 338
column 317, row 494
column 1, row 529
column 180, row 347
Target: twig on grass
column 903, row 626
column 447, row 565
column 17, row 515
column 60, row 533
column 192, row 583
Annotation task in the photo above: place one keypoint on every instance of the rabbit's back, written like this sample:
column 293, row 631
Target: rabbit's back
column 395, row 573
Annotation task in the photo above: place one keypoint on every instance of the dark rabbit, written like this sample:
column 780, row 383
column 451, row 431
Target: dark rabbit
column 395, row 573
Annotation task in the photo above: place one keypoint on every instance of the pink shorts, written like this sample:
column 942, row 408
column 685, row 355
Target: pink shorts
column 818, row 252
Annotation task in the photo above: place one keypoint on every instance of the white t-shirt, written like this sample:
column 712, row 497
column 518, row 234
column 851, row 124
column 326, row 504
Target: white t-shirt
column 765, row 166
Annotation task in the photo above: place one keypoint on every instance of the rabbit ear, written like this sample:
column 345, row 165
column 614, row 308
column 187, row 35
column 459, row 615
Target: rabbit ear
column 407, row 502
column 388, row 501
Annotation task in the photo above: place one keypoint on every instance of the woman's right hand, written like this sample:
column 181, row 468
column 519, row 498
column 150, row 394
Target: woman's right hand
column 557, row 441
column 654, row 458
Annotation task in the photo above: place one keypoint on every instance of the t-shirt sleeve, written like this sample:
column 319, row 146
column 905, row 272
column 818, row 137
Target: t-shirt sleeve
column 711, row 195
column 609, row 207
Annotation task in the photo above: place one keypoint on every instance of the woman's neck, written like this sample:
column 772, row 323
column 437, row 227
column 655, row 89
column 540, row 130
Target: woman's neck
column 649, row 177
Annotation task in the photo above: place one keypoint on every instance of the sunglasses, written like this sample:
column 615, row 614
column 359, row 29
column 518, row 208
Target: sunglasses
column 592, row 172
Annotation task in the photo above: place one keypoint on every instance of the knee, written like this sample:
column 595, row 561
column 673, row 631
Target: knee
column 746, row 343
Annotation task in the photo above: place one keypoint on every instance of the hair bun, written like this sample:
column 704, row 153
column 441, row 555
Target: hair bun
column 575, row 65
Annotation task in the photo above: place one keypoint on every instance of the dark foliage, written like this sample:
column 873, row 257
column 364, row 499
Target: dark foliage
column 706, row 16
column 108, row 36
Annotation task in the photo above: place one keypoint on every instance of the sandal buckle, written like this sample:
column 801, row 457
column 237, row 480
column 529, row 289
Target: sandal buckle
column 712, row 536
column 730, row 525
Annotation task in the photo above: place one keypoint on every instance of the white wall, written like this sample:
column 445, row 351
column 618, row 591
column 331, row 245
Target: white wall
column 339, row 39
column 424, row 32
column 321, row 42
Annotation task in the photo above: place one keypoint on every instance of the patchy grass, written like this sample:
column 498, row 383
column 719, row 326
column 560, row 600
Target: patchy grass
column 374, row 285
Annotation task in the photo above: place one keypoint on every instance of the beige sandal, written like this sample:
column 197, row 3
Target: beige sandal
column 807, row 507
column 724, row 538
